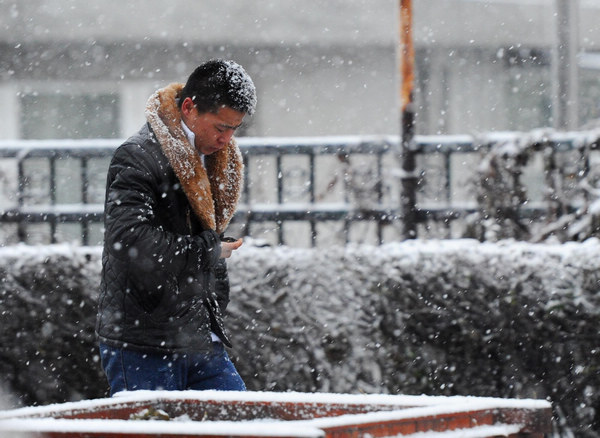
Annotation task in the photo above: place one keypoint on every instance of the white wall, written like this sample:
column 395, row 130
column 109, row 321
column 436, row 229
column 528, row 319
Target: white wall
column 9, row 102
column 321, row 67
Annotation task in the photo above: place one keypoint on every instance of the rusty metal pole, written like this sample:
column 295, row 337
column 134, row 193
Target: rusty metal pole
column 408, row 193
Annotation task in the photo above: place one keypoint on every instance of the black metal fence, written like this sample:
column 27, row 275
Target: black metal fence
column 298, row 191
column 62, row 182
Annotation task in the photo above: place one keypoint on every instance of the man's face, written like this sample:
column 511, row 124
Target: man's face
column 213, row 131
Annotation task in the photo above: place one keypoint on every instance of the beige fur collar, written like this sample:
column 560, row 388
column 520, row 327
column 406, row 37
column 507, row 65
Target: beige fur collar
column 213, row 192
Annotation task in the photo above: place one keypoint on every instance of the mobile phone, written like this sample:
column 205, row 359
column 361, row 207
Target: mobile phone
column 228, row 239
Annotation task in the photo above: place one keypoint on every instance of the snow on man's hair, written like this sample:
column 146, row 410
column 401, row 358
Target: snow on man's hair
column 219, row 83
column 241, row 85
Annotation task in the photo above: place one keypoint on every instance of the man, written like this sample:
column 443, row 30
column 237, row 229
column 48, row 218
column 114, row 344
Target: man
column 171, row 191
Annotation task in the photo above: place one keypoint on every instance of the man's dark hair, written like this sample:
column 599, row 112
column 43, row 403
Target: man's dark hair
column 219, row 83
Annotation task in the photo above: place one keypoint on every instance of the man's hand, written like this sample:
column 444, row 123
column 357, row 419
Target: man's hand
column 227, row 248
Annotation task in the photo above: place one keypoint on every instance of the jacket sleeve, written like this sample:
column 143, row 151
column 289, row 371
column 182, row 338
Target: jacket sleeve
column 131, row 233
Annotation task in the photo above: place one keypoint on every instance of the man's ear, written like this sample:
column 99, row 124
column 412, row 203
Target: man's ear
column 187, row 106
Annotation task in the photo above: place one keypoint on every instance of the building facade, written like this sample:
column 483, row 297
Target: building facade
column 84, row 70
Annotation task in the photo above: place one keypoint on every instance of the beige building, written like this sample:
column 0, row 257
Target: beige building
column 73, row 69
column 84, row 69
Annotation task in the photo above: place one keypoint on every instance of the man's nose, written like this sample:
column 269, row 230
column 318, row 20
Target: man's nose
column 225, row 137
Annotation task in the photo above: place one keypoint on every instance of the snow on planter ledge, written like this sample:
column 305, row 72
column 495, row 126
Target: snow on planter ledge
column 286, row 414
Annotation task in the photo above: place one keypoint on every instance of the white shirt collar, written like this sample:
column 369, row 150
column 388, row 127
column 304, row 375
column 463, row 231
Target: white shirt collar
column 189, row 134
column 191, row 138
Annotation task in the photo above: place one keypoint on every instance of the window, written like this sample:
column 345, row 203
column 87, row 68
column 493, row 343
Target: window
column 54, row 116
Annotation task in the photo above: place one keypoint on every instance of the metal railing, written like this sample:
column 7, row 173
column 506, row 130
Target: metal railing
column 43, row 206
column 281, row 184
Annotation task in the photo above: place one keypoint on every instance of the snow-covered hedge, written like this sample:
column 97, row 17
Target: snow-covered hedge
column 418, row 317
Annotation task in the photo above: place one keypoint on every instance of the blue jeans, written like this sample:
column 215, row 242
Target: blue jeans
column 130, row 370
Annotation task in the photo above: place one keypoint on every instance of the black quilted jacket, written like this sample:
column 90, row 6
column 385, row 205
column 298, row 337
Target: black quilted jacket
column 163, row 285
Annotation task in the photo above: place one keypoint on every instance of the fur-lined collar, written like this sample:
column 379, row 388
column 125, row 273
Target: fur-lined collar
column 214, row 191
